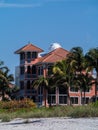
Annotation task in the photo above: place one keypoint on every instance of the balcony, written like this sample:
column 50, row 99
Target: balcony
column 30, row 91
column 22, row 76
column 23, row 93
column 30, row 76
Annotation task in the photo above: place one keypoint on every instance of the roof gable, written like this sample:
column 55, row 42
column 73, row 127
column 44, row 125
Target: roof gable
column 29, row 47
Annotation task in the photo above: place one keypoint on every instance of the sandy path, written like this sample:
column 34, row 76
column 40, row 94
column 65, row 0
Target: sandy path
column 52, row 124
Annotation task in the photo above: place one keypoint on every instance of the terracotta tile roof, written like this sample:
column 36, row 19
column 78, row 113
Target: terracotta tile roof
column 36, row 61
column 53, row 56
column 29, row 47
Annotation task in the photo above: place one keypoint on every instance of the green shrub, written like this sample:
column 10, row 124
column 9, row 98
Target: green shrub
column 5, row 119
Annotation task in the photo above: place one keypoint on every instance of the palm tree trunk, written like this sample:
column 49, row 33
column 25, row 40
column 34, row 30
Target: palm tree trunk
column 68, row 97
column 45, row 97
column 57, row 96
column 84, row 102
column 81, row 97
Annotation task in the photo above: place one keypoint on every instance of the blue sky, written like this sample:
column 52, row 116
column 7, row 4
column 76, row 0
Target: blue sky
column 42, row 22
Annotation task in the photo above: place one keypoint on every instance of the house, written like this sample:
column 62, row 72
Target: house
column 34, row 64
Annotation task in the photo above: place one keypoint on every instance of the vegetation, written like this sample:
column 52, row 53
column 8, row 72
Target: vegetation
column 43, row 82
column 56, row 111
column 15, row 104
column 5, row 80
column 81, row 76
column 74, row 71
column 92, row 62
column 62, row 76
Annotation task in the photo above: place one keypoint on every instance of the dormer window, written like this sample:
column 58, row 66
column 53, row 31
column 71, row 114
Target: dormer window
column 34, row 55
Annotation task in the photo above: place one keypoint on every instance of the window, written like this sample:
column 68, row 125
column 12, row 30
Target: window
column 74, row 100
column 34, row 54
column 28, row 55
column 28, row 84
column 22, row 70
column 62, row 99
column 40, row 70
column 21, row 84
column 28, row 69
column 33, row 69
column 51, row 99
column 85, row 100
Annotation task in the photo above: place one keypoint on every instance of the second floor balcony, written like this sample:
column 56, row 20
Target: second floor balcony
column 31, row 76
column 28, row 76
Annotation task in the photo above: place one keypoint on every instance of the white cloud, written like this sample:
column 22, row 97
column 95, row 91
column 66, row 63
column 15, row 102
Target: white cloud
column 5, row 5
column 36, row 3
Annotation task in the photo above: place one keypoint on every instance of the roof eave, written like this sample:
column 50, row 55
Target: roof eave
column 20, row 51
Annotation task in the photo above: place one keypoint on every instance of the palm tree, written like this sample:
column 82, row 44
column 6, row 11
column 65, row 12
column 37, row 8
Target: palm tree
column 2, row 77
column 5, row 80
column 84, row 81
column 76, row 59
column 42, row 82
column 11, row 91
column 92, row 60
column 62, row 76
column 10, row 78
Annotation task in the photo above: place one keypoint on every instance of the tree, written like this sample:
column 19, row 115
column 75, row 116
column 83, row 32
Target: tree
column 5, row 79
column 42, row 82
column 84, row 81
column 92, row 60
column 76, row 59
column 62, row 76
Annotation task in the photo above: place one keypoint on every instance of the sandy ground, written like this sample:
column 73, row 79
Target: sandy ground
column 51, row 124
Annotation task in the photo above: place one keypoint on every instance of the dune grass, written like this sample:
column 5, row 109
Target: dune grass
column 56, row 111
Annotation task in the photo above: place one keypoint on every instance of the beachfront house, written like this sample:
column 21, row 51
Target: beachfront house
column 33, row 64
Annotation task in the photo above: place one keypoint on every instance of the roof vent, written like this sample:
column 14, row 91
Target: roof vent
column 54, row 46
